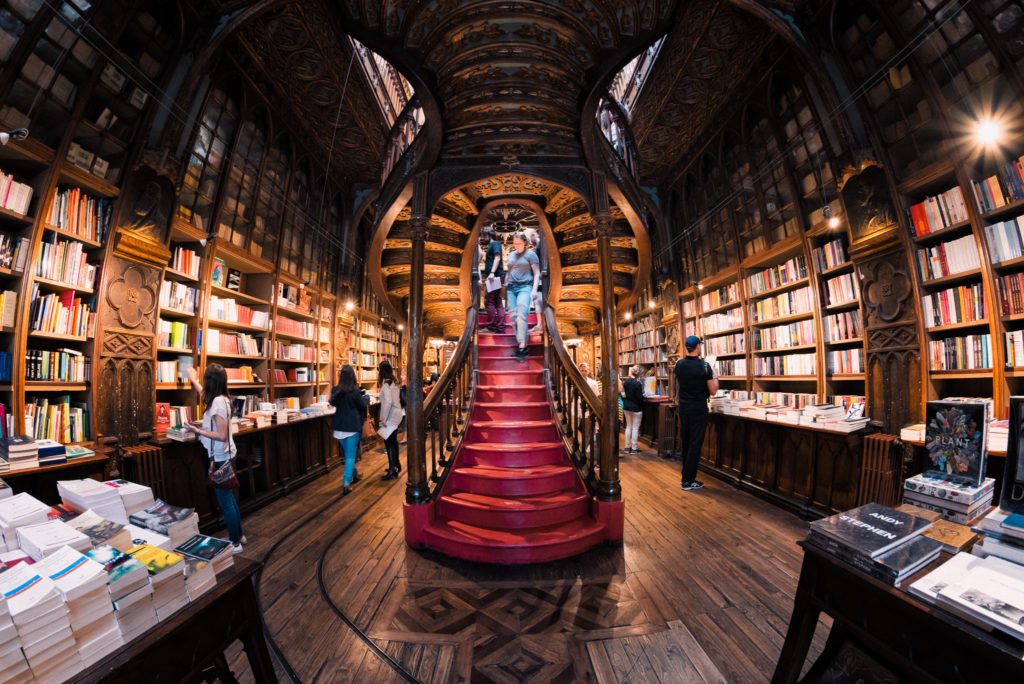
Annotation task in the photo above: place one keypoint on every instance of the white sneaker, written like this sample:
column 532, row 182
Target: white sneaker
column 236, row 549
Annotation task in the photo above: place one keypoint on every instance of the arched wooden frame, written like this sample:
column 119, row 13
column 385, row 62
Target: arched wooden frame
column 232, row 94
column 554, row 262
column 266, row 197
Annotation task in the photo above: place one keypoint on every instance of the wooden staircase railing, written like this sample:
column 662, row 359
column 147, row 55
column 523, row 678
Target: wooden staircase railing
column 576, row 408
column 447, row 408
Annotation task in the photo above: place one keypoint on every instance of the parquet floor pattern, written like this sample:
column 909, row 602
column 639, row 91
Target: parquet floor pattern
column 701, row 591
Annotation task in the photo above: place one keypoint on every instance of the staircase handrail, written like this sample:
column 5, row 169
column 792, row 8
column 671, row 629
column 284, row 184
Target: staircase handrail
column 447, row 408
column 576, row 407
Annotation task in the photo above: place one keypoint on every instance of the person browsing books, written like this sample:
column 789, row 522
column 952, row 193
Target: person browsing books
column 494, row 271
column 350, row 403
column 633, row 408
column 215, row 434
column 522, row 284
column 695, row 382
column 391, row 414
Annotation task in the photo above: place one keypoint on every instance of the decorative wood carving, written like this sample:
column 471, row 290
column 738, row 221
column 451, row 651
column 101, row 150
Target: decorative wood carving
column 132, row 297
column 124, row 408
column 866, row 198
column 140, row 235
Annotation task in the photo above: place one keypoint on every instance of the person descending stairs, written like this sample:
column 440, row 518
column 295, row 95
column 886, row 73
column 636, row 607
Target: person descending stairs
column 513, row 494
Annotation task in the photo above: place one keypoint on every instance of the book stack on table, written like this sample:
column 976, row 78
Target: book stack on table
column 13, row 666
column 44, row 539
column 101, row 531
column 128, row 589
column 17, row 511
column 952, row 498
column 134, row 497
column 85, row 494
column 166, row 575
column 216, row 552
column 19, row 453
column 177, row 523
column 883, row 542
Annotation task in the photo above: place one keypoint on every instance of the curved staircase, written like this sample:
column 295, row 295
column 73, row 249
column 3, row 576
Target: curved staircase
column 512, row 494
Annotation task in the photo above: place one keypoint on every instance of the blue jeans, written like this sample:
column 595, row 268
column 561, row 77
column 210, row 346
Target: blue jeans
column 232, row 516
column 519, row 305
column 349, row 445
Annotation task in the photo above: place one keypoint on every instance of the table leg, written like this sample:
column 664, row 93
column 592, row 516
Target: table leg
column 801, row 630
column 255, row 643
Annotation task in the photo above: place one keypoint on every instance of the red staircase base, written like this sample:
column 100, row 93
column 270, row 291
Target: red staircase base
column 512, row 494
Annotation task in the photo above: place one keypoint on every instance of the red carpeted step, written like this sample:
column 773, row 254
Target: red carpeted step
column 512, row 378
column 536, row 545
column 511, row 393
column 508, row 410
column 509, row 338
column 514, row 512
column 507, row 351
column 522, row 455
column 514, row 481
column 511, row 431
column 529, row 363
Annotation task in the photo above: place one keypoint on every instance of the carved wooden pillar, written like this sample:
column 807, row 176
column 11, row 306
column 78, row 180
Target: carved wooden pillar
column 891, row 324
column 416, row 491
column 607, row 486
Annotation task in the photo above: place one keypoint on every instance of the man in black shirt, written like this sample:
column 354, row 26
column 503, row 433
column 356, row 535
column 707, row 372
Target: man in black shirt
column 695, row 381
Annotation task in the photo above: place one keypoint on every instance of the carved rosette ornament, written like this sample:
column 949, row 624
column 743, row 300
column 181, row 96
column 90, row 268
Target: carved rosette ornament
column 887, row 293
column 132, row 296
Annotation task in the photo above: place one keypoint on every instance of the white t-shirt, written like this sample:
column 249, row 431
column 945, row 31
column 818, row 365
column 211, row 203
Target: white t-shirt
column 218, row 450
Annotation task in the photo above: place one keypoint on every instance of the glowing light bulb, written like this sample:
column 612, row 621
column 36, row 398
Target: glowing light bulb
column 651, row 304
column 629, row 315
column 834, row 222
column 700, row 286
column 350, row 306
column 401, row 327
column 988, row 132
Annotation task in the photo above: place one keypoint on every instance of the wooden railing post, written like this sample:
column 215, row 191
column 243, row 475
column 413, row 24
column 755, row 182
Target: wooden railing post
column 417, row 490
column 607, row 487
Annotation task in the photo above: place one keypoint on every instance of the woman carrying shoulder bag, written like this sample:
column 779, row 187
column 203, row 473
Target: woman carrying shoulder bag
column 215, row 434
column 350, row 403
column 391, row 414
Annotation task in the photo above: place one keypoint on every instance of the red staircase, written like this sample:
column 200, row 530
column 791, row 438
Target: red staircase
column 512, row 494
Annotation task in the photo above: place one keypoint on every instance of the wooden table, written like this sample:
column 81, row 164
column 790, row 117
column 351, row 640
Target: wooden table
column 913, row 638
column 195, row 637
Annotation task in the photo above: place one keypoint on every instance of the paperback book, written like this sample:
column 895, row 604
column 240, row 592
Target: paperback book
column 955, row 439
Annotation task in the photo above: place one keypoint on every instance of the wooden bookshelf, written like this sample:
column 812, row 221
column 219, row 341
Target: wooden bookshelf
column 642, row 342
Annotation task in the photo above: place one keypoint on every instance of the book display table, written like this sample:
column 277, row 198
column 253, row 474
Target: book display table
column 913, row 639
column 195, row 637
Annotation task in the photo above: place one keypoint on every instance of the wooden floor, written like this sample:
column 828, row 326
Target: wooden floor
column 700, row 591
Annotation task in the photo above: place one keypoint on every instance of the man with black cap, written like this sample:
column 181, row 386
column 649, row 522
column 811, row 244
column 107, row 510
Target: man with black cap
column 695, row 382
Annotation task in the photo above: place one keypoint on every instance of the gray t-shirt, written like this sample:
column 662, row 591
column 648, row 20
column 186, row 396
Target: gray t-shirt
column 520, row 267
column 217, row 449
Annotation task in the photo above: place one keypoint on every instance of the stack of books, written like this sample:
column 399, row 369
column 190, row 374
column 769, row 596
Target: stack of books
column 986, row 591
column 84, row 495
column 12, row 660
column 951, row 498
column 167, row 577
column 912, row 433
column 83, row 584
column 18, row 511
column 998, row 436
column 883, row 542
column 41, row 619
column 135, row 497
column 1003, row 534
column 101, row 531
column 215, row 551
column 45, row 539
column 199, row 577
column 144, row 535
column 51, row 452
column 128, row 590
column 20, row 452
column 177, row 523
column 5, row 491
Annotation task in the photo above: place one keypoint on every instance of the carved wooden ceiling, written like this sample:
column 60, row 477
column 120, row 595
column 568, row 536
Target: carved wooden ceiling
column 511, row 74
column 299, row 48
column 705, row 57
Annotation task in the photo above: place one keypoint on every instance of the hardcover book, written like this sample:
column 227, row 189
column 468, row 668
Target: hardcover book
column 955, row 438
column 951, row 489
column 1012, row 497
column 952, row 536
column 204, row 548
column 219, row 276
column 162, row 417
column 156, row 560
column 160, row 516
column 234, row 279
column 870, row 530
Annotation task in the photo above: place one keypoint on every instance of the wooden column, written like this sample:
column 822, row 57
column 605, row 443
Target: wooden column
column 416, row 490
column 607, row 486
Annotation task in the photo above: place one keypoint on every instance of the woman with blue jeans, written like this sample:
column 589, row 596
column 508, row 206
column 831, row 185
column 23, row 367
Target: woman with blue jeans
column 350, row 403
column 522, row 283
column 215, row 434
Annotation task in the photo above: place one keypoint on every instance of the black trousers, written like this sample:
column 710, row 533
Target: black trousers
column 691, row 441
column 391, row 447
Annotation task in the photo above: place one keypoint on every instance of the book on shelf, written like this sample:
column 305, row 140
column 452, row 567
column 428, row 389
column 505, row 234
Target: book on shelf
column 178, row 296
column 78, row 213
column 940, row 211
column 829, row 255
column 13, row 252
column 1003, row 187
column 948, row 258
column 796, row 334
column 186, row 261
column 219, row 275
column 790, row 271
column 965, row 303
column 1005, row 239
column 789, row 303
column 61, row 313
column 65, row 261
column 174, row 334
column 956, row 439
column 966, row 352
column 845, row 361
column 230, row 311
column 1010, row 299
column 64, row 365
column 842, row 326
column 57, row 418
column 221, row 342
column 841, row 289
column 727, row 294
column 14, row 195
column 234, row 279
column 1012, row 486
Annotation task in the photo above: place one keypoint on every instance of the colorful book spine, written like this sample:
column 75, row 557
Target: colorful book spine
column 967, row 352
column 829, row 256
column 842, row 326
column 770, row 278
column 955, row 305
column 941, row 211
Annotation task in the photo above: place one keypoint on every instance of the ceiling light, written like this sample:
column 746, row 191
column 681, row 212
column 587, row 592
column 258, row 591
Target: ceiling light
column 651, row 304
column 401, row 327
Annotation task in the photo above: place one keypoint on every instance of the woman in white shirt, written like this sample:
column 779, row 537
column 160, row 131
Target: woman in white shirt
column 391, row 413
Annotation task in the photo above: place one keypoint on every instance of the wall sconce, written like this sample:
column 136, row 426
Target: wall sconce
column 350, row 305
column 210, row 237
column 13, row 134
column 833, row 221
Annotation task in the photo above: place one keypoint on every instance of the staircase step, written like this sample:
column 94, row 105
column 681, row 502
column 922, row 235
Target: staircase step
column 515, row 481
column 509, row 338
column 534, row 363
column 511, row 410
column 512, row 378
column 514, row 513
column 511, row 431
column 522, row 455
column 537, row 545
column 507, row 350
column 510, row 393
